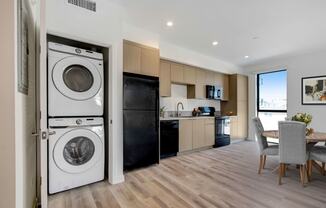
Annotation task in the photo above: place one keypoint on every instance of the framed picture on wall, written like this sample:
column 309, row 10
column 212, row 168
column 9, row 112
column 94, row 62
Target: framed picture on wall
column 314, row 90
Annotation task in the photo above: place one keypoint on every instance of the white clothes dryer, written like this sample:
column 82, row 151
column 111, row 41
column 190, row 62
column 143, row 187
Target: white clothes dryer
column 75, row 81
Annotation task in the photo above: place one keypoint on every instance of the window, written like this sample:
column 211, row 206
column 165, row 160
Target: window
column 272, row 98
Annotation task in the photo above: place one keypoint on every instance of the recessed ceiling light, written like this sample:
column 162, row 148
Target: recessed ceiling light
column 169, row 23
column 214, row 43
column 246, row 57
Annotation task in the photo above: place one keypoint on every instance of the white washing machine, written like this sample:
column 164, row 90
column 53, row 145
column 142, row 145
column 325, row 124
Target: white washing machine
column 76, row 152
column 75, row 81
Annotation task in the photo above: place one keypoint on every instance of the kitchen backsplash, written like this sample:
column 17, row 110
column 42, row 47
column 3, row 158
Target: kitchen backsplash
column 179, row 94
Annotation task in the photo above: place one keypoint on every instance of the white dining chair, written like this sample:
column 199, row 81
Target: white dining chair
column 292, row 136
column 264, row 148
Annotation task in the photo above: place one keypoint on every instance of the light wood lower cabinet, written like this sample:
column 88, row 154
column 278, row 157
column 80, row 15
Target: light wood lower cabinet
column 196, row 133
column 210, row 132
column 185, row 135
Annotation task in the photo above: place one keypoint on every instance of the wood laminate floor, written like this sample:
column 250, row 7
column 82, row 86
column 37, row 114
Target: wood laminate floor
column 223, row 177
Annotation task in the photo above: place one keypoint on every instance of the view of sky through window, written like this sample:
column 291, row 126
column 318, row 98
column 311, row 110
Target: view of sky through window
column 272, row 91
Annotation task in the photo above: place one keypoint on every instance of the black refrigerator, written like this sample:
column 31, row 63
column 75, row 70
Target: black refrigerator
column 140, row 121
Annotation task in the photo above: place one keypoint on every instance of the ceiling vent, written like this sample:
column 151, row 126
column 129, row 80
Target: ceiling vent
column 86, row 4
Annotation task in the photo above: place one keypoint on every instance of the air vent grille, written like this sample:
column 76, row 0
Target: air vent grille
column 86, row 4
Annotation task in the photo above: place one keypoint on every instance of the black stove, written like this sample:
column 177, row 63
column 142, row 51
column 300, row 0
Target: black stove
column 222, row 125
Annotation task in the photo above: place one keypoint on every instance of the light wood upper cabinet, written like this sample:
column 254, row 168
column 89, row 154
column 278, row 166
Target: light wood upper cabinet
column 200, row 76
column 196, row 80
column 131, row 58
column 140, row 59
column 242, row 88
column 165, row 79
column 226, row 87
column 150, row 62
column 198, row 135
column 200, row 88
column 177, row 75
column 219, row 79
column 185, row 135
column 210, row 77
column 189, row 75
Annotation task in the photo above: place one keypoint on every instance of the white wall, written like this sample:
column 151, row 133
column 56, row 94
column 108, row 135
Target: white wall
column 312, row 64
column 7, row 104
column 179, row 94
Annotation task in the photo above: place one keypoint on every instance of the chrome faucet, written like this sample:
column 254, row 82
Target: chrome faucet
column 179, row 103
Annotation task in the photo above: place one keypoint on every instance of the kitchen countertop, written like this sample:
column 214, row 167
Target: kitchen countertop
column 185, row 117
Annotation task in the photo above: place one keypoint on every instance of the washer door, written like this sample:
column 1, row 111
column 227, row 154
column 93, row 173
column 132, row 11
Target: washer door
column 77, row 151
column 76, row 78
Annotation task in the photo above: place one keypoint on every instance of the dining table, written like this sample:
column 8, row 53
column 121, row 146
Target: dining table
column 312, row 139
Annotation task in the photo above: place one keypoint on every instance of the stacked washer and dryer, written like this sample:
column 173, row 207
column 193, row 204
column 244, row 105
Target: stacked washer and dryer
column 75, row 110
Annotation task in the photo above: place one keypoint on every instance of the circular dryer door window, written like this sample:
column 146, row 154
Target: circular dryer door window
column 77, row 151
column 76, row 78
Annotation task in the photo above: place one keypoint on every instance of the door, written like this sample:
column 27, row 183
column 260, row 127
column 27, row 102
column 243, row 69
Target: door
column 185, row 135
column 169, row 138
column 140, row 92
column 41, row 48
column 198, row 135
column 140, row 138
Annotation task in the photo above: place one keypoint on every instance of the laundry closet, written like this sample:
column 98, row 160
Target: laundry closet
column 77, row 108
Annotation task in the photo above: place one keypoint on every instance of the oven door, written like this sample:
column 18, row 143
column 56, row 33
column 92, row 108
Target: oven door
column 222, row 126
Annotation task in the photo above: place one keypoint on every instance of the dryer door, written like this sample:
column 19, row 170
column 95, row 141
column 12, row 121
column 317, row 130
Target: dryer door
column 76, row 78
column 77, row 151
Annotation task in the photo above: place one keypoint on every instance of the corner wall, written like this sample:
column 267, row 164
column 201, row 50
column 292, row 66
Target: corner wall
column 306, row 65
column 7, row 103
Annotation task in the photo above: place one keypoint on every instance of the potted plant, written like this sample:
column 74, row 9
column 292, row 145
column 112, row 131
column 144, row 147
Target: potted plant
column 305, row 118
column 162, row 111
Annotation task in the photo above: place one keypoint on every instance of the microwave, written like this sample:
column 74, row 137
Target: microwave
column 214, row 92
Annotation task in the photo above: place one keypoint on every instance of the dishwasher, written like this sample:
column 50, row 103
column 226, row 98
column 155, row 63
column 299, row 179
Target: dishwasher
column 169, row 138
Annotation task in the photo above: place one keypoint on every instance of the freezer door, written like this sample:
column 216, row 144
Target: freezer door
column 141, row 141
column 140, row 92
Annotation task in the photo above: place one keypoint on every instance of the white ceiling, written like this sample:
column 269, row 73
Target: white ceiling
column 281, row 27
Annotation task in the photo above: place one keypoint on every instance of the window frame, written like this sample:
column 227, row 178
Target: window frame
column 258, row 96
